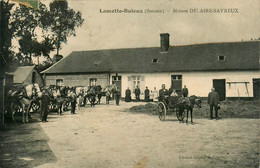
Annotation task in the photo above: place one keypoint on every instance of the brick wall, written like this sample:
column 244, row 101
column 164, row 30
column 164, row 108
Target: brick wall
column 78, row 79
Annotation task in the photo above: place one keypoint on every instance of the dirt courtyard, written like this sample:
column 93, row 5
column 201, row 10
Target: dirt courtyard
column 107, row 136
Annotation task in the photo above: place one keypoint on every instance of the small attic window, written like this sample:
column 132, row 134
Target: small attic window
column 97, row 63
column 221, row 58
column 155, row 60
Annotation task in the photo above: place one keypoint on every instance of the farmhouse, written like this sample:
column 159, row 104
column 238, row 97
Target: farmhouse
column 232, row 68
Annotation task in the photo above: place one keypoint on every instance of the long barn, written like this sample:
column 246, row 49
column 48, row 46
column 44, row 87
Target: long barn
column 231, row 67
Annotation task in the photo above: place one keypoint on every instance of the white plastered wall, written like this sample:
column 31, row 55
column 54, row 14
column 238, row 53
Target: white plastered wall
column 198, row 83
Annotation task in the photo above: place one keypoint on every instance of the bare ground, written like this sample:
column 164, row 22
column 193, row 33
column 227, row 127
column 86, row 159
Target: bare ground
column 109, row 136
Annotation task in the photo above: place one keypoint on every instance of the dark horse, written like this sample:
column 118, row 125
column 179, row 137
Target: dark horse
column 59, row 98
column 94, row 94
column 99, row 93
column 188, row 104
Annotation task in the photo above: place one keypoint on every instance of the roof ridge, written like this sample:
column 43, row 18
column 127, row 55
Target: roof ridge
column 228, row 42
column 108, row 49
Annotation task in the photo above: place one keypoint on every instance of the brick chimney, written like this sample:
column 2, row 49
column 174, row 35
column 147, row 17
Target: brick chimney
column 165, row 42
column 57, row 58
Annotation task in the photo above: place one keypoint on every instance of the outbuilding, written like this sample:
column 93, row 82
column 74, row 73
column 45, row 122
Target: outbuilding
column 25, row 75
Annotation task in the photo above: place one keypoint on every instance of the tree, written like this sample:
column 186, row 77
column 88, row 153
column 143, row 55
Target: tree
column 61, row 21
column 6, row 33
column 27, row 22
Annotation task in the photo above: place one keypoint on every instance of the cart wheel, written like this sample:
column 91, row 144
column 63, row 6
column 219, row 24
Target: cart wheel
column 162, row 111
column 66, row 106
column 52, row 106
column 180, row 114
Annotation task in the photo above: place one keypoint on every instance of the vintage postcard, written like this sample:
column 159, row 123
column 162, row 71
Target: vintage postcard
column 130, row 83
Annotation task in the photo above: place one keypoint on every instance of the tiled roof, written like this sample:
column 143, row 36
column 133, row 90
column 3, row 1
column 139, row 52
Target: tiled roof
column 200, row 57
column 20, row 73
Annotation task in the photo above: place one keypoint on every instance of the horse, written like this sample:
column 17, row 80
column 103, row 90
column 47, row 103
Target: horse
column 187, row 103
column 60, row 99
column 98, row 90
column 91, row 95
column 111, row 88
column 24, row 98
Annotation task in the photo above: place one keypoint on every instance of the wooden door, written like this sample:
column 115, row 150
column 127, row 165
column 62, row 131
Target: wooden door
column 117, row 80
column 220, row 87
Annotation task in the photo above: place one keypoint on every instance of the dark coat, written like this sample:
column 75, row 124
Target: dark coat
column 163, row 93
column 73, row 97
column 45, row 101
column 170, row 91
column 137, row 91
column 128, row 95
column 146, row 94
column 213, row 98
column 185, row 91
column 128, row 92
column 117, row 93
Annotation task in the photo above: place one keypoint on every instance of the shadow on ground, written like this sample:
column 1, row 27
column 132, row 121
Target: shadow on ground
column 24, row 145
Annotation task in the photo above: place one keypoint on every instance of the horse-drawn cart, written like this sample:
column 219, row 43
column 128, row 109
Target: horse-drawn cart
column 168, row 106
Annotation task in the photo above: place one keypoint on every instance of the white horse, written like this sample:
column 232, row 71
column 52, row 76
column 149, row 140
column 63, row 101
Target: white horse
column 23, row 98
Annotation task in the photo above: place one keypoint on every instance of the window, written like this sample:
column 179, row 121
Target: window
column 221, row 58
column 59, row 82
column 134, row 81
column 116, row 78
column 155, row 60
column 93, row 82
column 176, row 77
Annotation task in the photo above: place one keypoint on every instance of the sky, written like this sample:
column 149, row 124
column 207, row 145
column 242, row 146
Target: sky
column 136, row 30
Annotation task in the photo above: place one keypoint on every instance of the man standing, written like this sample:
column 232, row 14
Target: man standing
column 117, row 94
column 213, row 101
column 185, row 91
column 163, row 92
column 146, row 95
column 107, row 96
column 45, row 101
column 137, row 93
column 73, row 100
column 128, row 95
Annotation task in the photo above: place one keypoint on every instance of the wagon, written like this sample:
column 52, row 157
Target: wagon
column 168, row 106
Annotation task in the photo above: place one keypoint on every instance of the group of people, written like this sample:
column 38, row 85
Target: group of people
column 154, row 95
column 213, row 98
column 148, row 95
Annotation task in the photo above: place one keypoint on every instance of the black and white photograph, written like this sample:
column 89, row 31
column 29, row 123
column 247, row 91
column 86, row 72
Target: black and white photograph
column 129, row 83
